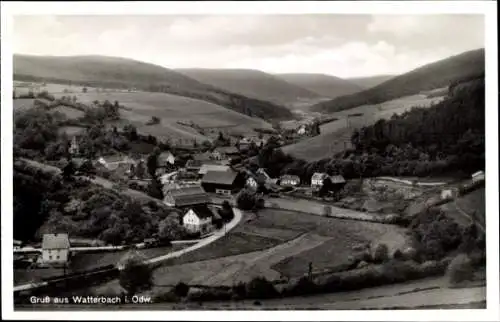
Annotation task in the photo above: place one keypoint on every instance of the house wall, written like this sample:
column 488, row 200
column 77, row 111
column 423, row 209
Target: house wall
column 194, row 224
column 477, row 178
column 55, row 256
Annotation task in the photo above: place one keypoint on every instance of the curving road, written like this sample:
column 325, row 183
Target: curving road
column 203, row 242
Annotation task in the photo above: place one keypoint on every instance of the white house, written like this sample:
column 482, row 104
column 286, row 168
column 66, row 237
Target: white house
column 478, row 176
column 317, row 180
column 198, row 219
column 301, row 130
column 165, row 158
column 289, row 180
column 449, row 193
column 55, row 249
column 74, row 149
column 252, row 183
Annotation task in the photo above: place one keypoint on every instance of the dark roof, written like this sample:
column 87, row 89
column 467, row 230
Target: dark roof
column 290, row 177
column 218, row 177
column 186, row 196
column 55, row 241
column 194, row 164
column 227, row 149
column 202, row 211
column 213, row 167
column 337, row 179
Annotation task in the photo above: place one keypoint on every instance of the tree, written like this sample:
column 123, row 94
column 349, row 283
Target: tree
column 135, row 276
column 152, row 163
column 155, row 189
column 181, row 289
column 170, row 229
column 380, row 253
column 226, row 212
column 69, row 170
column 84, row 90
column 246, row 200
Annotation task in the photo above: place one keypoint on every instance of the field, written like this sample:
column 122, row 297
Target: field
column 141, row 106
column 336, row 136
column 276, row 244
column 69, row 112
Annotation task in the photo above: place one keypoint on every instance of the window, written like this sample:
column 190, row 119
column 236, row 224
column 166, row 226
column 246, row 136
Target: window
column 57, row 257
column 50, row 257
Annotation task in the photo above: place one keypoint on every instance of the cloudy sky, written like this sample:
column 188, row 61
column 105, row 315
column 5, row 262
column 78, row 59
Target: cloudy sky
column 340, row 45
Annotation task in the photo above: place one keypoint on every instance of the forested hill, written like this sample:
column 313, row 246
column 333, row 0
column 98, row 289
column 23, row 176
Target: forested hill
column 115, row 72
column 428, row 77
column 447, row 138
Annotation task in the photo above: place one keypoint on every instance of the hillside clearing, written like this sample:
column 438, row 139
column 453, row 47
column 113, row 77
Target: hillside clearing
column 336, row 136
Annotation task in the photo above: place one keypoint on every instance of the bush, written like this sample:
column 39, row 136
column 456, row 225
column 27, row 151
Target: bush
column 460, row 269
column 398, row 255
column 246, row 200
column 260, row 288
column 181, row 289
column 166, row 297
column 304, row 286
column 380, row 253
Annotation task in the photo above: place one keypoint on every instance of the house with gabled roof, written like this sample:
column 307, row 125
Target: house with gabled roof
column 165, row 159
column 289, row 180
column 317, row 180
column 212, row 167
column 186, row 196
column 198, row 219
column 223, row 182
column 55, row 249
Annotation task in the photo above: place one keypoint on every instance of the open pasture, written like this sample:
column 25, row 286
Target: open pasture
column 336, row 136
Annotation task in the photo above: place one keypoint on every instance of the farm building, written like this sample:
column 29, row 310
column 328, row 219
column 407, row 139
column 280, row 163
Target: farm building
column 224, row 183
column 193, row 165
column 74, row 148
column 185, row 196
column 205, row 156
column 227, row 151
column 289, row 180
column 198, row 219
column 212, row 167
column 255, row 180
column 337, row 182
column 244, row 144
column 449, row 193
column 165, row 159
column 301, row 130
column 478, row 176
column 55, row 249
column 317, row 180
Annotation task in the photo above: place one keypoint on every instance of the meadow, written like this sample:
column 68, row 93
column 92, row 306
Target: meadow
column 140, row 107
column 336, row 136
column 276, row 244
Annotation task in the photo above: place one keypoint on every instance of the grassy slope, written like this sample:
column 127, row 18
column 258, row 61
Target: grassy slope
column 428, row 77
column 335, row 134
column 116, row 72
column 251, row 83
column 324, row 85
column 141, row 106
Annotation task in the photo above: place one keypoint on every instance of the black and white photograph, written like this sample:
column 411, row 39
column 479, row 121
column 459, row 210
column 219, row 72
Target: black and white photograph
column 266, row 156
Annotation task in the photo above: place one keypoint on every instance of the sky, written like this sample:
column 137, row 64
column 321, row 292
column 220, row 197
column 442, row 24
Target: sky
column 342, row 45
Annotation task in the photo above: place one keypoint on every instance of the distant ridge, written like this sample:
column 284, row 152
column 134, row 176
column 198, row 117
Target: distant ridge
column 116, row 72
column 370, row 81
column 431, row 76
column 324, row 85
column 251, row 83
